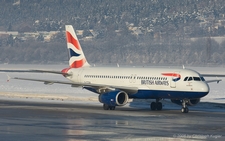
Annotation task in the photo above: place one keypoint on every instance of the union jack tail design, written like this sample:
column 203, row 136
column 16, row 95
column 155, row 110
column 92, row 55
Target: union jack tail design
column 77, row 58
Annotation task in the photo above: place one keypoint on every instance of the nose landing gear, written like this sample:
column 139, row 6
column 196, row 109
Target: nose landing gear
column 184, row 108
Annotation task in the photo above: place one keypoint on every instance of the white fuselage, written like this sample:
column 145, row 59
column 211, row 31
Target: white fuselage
column 159, row 82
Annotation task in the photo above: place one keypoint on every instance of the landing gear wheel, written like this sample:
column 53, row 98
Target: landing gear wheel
column 112, row 107
column 106, row 107
column 153, row 106
column 184, row 110
column 156, row 106
column 159, row 106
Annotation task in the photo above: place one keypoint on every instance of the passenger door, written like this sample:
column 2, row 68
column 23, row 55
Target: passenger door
column 133, row 78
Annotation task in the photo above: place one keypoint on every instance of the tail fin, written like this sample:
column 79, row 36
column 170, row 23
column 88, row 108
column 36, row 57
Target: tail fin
column 77, row 58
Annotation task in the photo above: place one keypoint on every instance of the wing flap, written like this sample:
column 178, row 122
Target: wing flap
column 48, row 82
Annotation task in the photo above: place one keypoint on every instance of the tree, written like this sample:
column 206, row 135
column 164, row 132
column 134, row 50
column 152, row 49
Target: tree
column 40, row 38
column 10, row 40
column 9, row 27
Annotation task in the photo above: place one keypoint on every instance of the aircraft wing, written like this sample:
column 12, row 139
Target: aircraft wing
column 49, row 82
column 37, row 71
column 213, row 75
column 216, row 80
column 99, row 88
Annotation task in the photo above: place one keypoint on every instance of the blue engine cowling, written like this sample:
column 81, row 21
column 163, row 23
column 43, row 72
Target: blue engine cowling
column 114, row 98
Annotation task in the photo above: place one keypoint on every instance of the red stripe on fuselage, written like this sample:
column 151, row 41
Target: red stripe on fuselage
column 72, row 40
column 172, row 74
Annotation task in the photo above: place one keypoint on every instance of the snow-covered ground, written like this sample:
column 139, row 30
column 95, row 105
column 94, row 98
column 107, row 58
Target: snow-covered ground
column 28, row 90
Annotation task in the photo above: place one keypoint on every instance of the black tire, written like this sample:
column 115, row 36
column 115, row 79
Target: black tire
column 153, row 106
column 112, row 107
column 185, row 110
column 159, row 106
column 105, row 107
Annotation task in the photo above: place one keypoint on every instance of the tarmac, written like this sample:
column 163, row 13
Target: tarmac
column 27, row 120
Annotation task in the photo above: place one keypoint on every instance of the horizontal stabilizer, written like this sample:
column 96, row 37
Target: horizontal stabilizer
column 37, row 71
column 49, row 71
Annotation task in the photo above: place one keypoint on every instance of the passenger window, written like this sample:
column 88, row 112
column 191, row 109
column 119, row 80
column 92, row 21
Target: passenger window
column 190, row 79
column 197, row 79
column 185, row 79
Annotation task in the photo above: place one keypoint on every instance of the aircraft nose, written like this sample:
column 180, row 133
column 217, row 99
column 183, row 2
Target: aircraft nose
column 205, row 87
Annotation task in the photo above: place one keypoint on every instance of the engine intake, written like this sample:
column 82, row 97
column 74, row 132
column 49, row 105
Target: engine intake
column 190, row 102
column 114, row 98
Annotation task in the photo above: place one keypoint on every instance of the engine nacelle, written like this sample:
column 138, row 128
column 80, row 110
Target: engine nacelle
column 114, row 98
column 190, row 102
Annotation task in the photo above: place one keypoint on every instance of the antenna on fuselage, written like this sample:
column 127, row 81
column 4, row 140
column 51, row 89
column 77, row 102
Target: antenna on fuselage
column 183, row 67
column 118, row 65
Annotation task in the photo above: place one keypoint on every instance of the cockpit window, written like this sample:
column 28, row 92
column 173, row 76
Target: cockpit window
column 197, row 79
column 190, row 78
column 185, row 79
column 202, row 78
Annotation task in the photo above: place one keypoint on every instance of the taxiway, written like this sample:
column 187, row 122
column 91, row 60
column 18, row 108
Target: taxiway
column 71, row 122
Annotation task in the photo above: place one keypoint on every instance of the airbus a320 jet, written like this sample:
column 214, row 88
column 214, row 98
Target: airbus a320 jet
column 116, row 85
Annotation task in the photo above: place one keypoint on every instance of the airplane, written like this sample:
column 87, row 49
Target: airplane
column 116, row 85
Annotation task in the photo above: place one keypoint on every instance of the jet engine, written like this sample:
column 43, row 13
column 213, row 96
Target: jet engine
column 190, row 102
column 114, row 98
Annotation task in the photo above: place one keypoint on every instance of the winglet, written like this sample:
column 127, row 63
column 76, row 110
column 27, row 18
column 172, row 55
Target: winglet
column 218, row 80
column 8, row 77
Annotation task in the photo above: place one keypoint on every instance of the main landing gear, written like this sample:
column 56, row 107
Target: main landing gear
column 107, row 107
column 184, row 108
column 156, row 105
